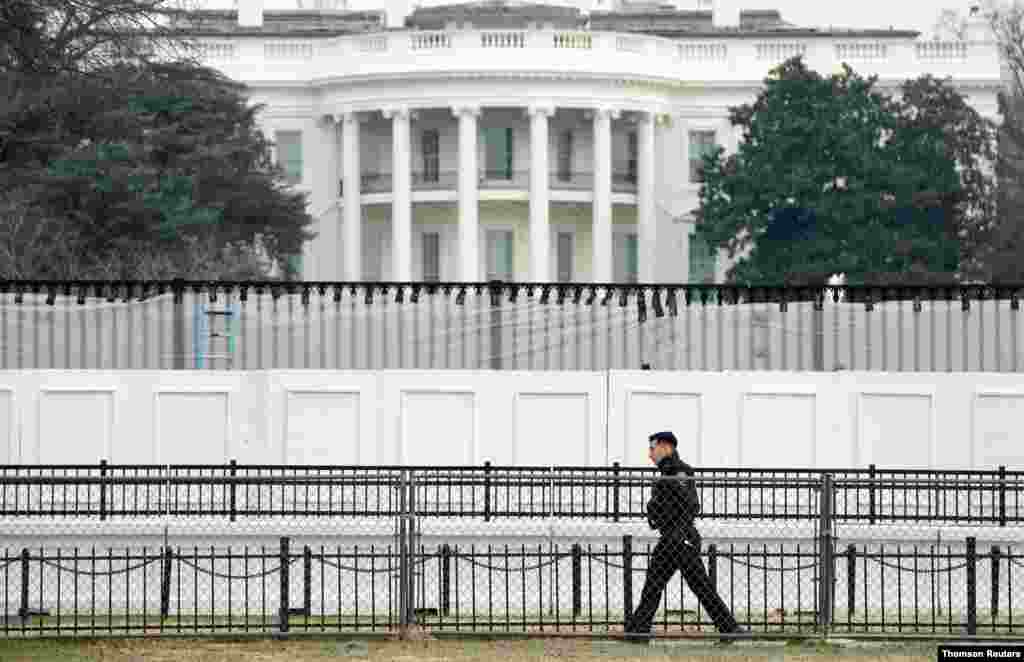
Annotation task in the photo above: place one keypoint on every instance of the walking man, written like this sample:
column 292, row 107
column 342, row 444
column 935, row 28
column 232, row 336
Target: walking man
column 673, row 506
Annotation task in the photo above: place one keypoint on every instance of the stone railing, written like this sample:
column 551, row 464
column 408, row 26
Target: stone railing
column 643, row 57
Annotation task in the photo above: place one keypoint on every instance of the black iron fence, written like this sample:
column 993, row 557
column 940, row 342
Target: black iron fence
column 953, row 590
column 522, row 326
column 488, row 493
column 426, row 568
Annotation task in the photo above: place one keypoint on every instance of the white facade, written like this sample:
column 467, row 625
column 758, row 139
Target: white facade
column 529, row 154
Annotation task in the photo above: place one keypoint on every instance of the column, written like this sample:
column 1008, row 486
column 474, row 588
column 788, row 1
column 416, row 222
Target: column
column 314, row 156
column 469, row 210
column 352, row 215
column 602, row 207
column 401, row 195
column 330, row 238
column 540, row 225
column 646, row 216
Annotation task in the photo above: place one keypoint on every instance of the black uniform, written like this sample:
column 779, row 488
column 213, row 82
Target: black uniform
column 673, row 506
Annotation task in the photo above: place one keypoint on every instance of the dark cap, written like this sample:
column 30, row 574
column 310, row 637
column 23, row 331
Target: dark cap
column 659, row 437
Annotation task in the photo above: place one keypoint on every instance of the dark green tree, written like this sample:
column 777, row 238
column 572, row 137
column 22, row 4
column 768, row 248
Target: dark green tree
column 153, row 158
column 114, row 139
column 832, row 176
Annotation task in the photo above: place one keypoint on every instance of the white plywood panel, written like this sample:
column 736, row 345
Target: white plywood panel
column 76, row 425
column 998, row 418
column 895, row 429
column 648, row 412
column 552, row 429
column 192, row 426
column 438, row 427
column 9, row 452
column 322, row 427
column 778, row 430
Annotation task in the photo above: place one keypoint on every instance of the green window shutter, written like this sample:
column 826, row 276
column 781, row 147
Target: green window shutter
column 498, row 150
column 294, row 266
column 289, row 154
column 632, row 258
column 500, row 255
column 506, row 254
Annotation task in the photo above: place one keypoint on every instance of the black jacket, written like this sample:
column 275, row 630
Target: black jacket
column 674, row 502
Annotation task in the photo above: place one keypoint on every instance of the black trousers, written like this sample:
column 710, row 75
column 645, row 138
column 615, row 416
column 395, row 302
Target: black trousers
column 671, row 554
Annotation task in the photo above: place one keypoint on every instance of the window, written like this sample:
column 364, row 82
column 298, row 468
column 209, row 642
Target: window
column 499, row 255
column 631, row 155
column 289, row 154
column 625, row 256
column 565, row 156
column 431, row 155
column 373, row 253
column 701, row 143
column 431, row 257
column 702, row 260
column 499, row 150
column 564, row 257
column 293, row 266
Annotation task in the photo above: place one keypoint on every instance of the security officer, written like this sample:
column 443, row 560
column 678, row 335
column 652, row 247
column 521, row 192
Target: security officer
column 673, row 506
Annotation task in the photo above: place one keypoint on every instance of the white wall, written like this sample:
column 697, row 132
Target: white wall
column 753, row 419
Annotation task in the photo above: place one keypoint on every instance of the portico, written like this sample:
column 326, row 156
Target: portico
column 616, row 172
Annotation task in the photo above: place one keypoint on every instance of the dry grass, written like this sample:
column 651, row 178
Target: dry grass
column 533, row 650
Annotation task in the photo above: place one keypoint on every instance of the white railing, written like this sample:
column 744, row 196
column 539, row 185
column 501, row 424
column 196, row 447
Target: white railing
column 581, row 40
column 288, row 50
column 861, row 51
column 941, row 50
column 701, row 52
column 779, row 51
column 398, row 53
column 429, row 41
column 503, row 39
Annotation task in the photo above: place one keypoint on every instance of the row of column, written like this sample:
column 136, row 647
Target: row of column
column 468, row 198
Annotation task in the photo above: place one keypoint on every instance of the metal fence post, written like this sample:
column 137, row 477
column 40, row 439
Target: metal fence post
column 24, row 611
column 996, row 553
column 826, row 561
column 307, row 580
column 627, row 579
column 285, row 558
column 577, row 580
column 410, row 560
column 103, row 490
column 233, row 473
column 615, row 491
column 972, row 585
column 1002, row 495
column 851, row 578
column 872, row 470
column 487, row 491
column 713, row 564
column 165, row 583
column 446, row 579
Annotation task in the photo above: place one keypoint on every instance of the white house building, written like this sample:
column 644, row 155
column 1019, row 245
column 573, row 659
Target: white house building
column 527, row 142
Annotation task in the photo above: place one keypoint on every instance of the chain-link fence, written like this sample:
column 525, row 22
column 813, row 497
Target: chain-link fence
column 575, row 326
column 203, row 550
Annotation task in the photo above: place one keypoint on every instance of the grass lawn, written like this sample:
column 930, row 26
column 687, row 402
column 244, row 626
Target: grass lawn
column 554, row 650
